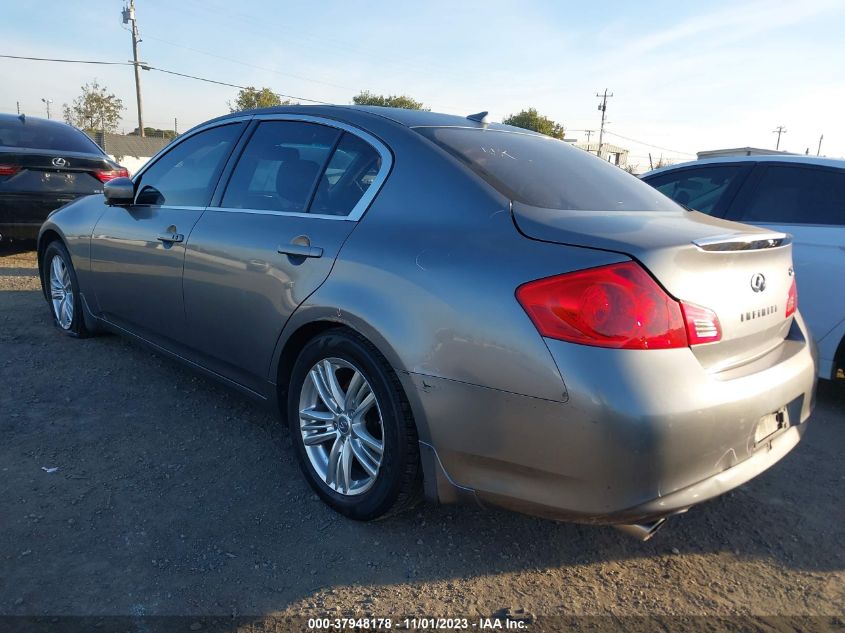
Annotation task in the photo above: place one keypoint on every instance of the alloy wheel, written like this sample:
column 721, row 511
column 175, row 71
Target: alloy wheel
column 61, row 292
column 341, row 426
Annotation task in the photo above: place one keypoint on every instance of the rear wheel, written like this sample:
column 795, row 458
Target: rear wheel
column 352, row 428
column 62, row 290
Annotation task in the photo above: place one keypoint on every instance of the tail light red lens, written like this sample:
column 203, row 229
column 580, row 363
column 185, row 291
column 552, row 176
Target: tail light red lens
column 104, row 175
column 9, row 170
column 702, row 324
column 792, row 300
column 619, row 306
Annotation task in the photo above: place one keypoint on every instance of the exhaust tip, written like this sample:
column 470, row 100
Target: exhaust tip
column 642, row 531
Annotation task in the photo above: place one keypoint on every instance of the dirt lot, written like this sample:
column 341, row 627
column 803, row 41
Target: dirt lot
column 173, row 495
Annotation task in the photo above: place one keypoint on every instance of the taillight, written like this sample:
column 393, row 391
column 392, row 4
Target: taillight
column 9, row 170
column 792, row 299
column 619, row 305
column 702, row 324
column 104, row 175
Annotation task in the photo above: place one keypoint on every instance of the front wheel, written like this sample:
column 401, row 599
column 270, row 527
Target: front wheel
column 62, row 290
column 352, row 427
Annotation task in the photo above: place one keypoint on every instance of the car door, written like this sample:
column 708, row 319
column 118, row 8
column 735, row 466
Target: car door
column 807, row 202
column 137, row 251
column 280, row 217
column 706, row 188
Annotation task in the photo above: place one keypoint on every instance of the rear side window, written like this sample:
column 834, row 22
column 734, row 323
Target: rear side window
column 298, row 167
column 51, row 136
column 545, row 172
column 280, row 166
column 187, row 174
column 702, row 189
column 350, row 172
column 796, row 195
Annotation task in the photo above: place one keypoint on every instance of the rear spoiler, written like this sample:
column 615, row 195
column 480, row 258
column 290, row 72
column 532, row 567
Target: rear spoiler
column 743, row 241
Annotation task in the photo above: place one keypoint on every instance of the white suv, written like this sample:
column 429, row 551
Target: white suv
column 801, row 195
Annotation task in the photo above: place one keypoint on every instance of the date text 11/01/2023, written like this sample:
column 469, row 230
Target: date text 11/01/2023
column 417, row 624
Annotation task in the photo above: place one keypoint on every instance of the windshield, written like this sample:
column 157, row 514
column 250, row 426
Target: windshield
column 53, row 136
column 544, row 172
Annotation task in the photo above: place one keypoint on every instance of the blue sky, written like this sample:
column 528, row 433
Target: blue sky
column 686, row 76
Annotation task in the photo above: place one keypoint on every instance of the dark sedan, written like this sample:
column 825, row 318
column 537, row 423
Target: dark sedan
column 43, row 165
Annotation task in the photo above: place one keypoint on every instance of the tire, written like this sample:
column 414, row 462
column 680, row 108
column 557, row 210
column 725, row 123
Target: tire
column 342, row 462
column 61, row 289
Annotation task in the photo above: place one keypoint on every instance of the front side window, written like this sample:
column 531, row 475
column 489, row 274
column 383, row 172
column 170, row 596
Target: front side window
column 280, row 166
column 187, row 174
column 700, row 188
column 797, row 195
column 544, row 172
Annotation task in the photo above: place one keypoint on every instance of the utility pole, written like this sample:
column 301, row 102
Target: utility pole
column 18, row 103
column 47, row 102
column 603, row 109
column 589, row 133
column 780, row 130
column 129, row 16
column 819, row 150
column 175, row 127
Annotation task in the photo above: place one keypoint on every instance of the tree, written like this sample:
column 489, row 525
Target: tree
column 530, row 119
column 95, row 110
column 154, row 132
column 251, row 97
column 365, row 97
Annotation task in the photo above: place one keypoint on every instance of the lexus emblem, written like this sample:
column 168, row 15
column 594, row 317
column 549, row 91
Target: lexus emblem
column 58, row 161
column 758, row 282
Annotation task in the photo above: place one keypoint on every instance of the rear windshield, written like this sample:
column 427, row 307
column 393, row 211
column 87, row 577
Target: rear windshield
column 544, row 172
column 52, row 136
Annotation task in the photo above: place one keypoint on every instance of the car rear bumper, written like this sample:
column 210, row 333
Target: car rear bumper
column 22, row 214
column 644, row 434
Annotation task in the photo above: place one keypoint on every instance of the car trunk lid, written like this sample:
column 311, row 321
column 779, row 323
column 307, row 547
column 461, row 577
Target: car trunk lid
column 25, row 170
column 698, row 259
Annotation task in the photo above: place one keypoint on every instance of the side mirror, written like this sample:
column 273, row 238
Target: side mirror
column 119, row 191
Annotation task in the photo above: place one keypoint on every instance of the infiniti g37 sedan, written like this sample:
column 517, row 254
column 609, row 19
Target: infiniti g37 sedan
column 446, row 306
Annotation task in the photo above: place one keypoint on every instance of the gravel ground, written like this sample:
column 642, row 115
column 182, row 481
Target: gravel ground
column 166, row 494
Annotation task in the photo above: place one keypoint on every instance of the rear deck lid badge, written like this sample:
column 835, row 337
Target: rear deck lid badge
column 58, row 161
column 758, row 282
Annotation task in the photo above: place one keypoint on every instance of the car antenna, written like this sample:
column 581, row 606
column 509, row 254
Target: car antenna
column 480, row 117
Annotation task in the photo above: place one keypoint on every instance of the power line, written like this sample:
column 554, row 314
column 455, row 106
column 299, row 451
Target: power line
column 665, row 149
column 161, row 70
column 247, row 64
column 67, row 61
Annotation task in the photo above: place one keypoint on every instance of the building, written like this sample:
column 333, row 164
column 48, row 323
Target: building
column 611, row 153
column 738, row 151
column 129, row 150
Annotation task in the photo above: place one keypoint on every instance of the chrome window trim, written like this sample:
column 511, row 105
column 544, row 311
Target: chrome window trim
column 295, row 214
column 357, row 211
column 369, row 195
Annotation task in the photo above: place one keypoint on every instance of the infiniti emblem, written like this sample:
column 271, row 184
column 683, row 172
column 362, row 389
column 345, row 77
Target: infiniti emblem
column 758, row 282
column 58, row 161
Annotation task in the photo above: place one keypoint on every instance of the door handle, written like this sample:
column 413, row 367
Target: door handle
column 300, row 250
column 170, row 238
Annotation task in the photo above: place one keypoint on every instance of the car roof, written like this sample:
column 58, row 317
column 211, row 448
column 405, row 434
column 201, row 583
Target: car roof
column 796, row 159
column 402, row 116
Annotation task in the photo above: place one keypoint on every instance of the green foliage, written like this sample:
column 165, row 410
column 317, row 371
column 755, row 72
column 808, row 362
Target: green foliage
column 94, row 110
column 154, row 132
column 250, row 98
column 365, row 97
column 530, row 119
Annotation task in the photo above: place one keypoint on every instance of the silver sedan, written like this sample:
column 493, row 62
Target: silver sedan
column 442, row 306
